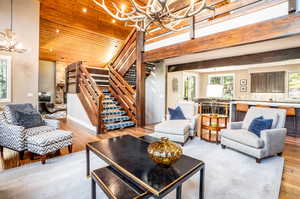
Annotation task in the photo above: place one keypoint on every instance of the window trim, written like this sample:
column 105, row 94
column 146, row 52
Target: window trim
column 8, row 75
column 288, row 85
column 223, row 75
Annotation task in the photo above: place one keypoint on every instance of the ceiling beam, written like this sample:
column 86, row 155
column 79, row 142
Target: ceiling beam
column 258, row 58
column 267, row 30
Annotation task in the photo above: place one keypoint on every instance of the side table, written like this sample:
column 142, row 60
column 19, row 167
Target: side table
column 213, row 124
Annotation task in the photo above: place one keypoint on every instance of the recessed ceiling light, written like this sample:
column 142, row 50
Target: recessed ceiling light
column 57, row 31
column 114, row 21
column 84, row 10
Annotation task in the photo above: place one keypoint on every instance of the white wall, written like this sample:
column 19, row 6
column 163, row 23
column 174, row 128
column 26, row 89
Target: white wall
column 77, row 113
column 155, row 94
column 25, row 66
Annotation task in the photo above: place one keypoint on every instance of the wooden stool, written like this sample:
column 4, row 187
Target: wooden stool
column 290, row 112
column 262, row 106
column 115, row 186
column 241, row 108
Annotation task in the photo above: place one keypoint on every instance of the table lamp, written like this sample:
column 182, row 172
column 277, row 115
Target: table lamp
column 214, row 92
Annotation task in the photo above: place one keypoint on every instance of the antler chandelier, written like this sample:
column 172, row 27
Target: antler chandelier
column 8, row 40
column 157, row 12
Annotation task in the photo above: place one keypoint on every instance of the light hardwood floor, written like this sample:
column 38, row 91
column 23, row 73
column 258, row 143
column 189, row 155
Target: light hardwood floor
column 290, row 187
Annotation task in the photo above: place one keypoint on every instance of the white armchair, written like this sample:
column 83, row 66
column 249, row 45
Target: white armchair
column 270, row 142
column 179, row 130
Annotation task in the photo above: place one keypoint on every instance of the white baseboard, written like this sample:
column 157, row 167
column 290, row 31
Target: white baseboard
column 82, row 123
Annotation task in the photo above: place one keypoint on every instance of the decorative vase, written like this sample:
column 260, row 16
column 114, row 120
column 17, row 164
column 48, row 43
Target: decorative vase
column 164, row 152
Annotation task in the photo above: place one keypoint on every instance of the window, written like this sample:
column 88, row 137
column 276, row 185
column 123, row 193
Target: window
column 227, row 81
column 5, row 75
column 189, row 87
column 294, row 84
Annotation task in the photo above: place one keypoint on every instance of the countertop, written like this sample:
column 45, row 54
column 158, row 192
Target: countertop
column 295, row 104
column 269, row 103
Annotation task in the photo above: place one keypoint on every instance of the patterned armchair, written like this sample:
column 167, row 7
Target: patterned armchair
column 14, row 137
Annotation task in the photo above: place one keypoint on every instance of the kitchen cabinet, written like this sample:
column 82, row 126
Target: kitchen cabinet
column 271, row 82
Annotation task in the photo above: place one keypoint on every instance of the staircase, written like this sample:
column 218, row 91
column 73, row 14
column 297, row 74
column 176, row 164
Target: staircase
column 113, row 115
column 109, row 96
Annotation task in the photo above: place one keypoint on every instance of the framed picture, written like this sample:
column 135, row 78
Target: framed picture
column 243, row 89
column 243, row 82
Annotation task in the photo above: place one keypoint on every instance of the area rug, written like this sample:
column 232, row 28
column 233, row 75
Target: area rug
column 229, row 175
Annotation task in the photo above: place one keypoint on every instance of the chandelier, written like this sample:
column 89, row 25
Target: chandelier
column 8, row 40
column 159, row 12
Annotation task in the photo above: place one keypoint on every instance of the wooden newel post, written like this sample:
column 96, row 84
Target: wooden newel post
column 140, row 79
column 100, row 126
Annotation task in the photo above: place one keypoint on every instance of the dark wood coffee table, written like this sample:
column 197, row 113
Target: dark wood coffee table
column 128, row 155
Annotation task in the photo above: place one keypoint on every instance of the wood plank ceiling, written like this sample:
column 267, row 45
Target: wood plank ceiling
column 73, row 30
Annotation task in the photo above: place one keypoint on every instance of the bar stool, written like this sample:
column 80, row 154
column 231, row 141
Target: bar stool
column 262, row 106
column 291, row 112
column 241, row 108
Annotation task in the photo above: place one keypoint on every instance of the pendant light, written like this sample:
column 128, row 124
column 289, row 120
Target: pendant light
column 8, row 42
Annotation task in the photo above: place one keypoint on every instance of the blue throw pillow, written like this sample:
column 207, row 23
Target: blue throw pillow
column 176, row 114
column 259, row 124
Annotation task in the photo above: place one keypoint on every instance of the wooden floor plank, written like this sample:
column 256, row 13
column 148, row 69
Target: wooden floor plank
column 290, row 186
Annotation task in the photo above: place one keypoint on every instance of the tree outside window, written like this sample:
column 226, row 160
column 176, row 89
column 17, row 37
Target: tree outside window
column 190, row 87
column 226, row 80
column 5, row 67
column 294, row 84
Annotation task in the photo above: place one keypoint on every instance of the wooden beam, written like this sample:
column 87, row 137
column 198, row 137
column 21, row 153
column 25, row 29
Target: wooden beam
column 184, row 26
column 267, row 30
column 258, row 58
column 140, row 80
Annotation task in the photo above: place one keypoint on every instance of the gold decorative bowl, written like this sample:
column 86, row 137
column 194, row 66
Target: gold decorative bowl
column 164, row 152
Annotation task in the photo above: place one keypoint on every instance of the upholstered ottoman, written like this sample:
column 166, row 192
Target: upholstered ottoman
column 175, row 130
column 45, row 143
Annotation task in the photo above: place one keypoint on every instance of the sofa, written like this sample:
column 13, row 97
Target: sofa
column 179, row 130
column 270, row 142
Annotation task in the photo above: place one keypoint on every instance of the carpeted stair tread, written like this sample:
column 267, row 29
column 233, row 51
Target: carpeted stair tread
column 109, row 102
column 116, row 119
column 107, row 94
column 106, row 98
column 119, row 125
column 112, row 108
column 113, row 112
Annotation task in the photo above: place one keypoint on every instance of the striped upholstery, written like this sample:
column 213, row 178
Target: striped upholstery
column 15, row 137
column 48, row 142
column 118, row 125
column 114, row 115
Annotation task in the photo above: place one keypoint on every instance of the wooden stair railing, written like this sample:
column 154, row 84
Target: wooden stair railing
column 89, row 94
column 130, row 55
column 123, row 92
column 119, row 87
